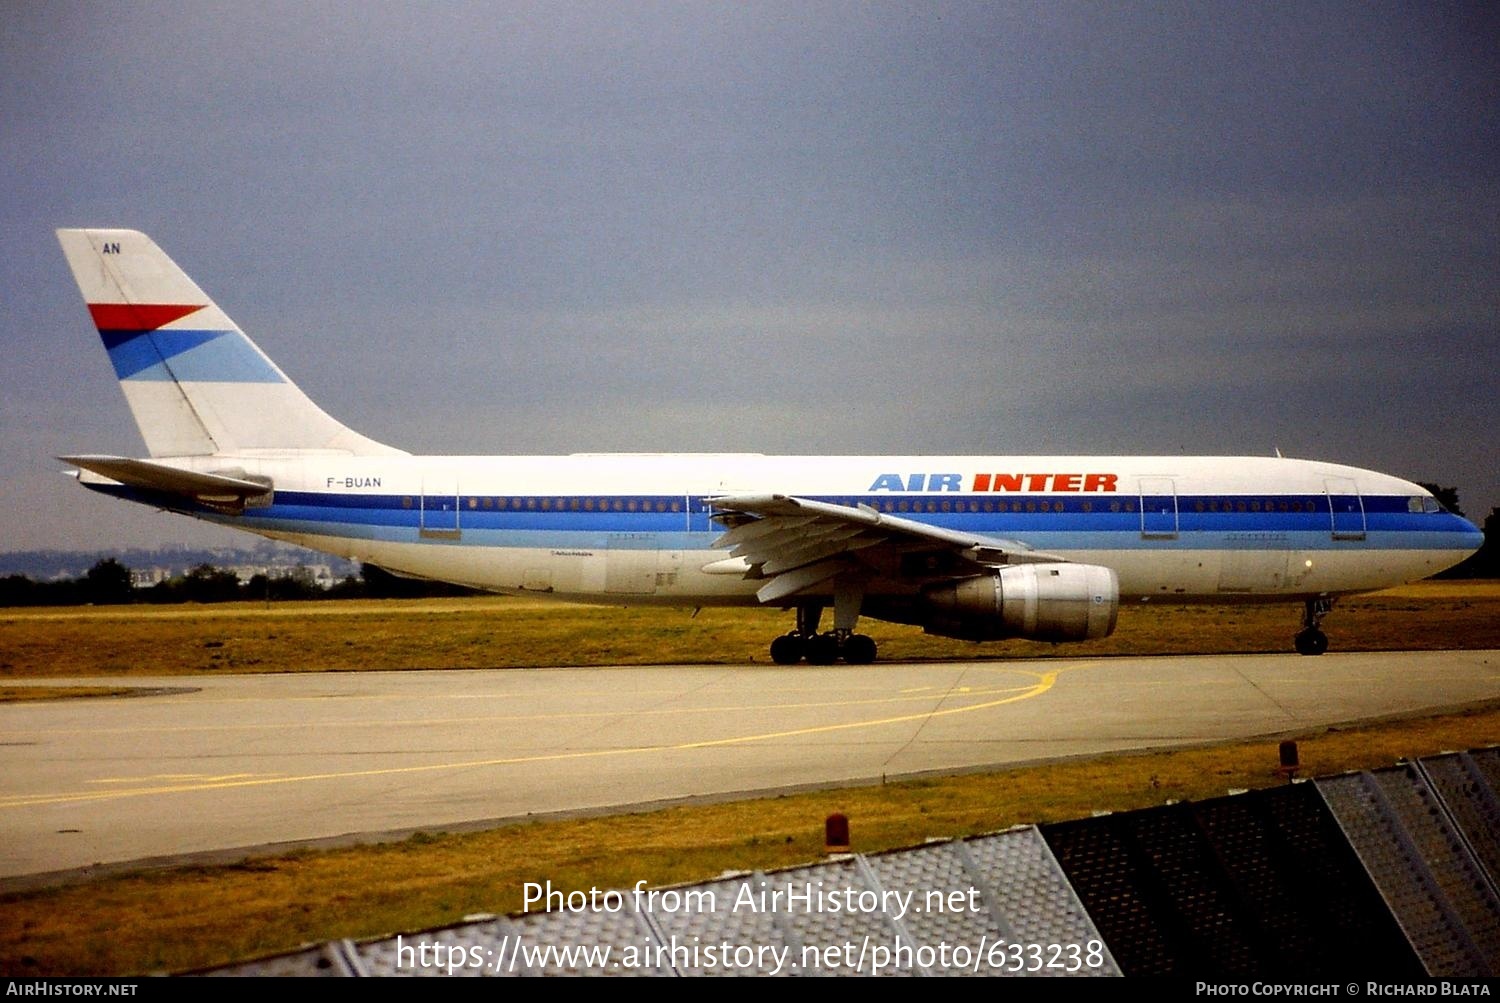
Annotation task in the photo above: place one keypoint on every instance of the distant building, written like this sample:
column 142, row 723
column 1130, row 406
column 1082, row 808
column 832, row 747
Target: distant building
column 144, row 578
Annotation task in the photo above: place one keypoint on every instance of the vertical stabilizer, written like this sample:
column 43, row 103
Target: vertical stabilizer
column 195, row 383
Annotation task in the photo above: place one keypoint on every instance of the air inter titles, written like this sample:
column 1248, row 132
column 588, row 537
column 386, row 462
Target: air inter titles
column 1068, row 483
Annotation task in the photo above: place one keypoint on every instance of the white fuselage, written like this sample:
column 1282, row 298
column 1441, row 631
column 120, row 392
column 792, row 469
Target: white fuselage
column 624, row 528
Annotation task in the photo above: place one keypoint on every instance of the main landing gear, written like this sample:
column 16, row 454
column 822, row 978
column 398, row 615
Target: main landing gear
column 1310, row 640
column 821, row 649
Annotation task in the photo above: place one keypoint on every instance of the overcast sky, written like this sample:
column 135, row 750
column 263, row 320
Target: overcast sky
column 808, row 228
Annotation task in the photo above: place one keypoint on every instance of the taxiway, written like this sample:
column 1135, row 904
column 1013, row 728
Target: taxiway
column 251, row 760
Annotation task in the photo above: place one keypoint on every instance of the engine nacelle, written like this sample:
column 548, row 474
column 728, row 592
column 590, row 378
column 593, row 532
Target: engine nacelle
column 1041, row 602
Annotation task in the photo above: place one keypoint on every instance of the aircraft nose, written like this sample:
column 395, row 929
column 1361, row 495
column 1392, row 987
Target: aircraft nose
column 1473, row 536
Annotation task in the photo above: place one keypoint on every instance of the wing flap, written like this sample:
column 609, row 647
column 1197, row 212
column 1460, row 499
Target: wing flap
column 791, row 582
column 823, row 534
column 816, row 552
column 757, row 528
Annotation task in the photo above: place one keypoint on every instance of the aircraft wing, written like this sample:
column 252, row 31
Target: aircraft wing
column 799, row 543
column 232, row 487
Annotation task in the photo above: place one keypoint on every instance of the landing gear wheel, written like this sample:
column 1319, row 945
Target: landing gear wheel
column 859, row 649
column 822, row 649
column 1312, row 641
column 788, row 649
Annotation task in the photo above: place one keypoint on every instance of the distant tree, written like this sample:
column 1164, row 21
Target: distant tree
column 18, row 590
column 351, row 587
column 108, row 583
column 296, row 584
column 206, row 583
column 1485, row 563
column 167, row 591
column 258, row 587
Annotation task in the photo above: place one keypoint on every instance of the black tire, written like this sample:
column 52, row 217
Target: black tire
column 859, row 649
column 822, row 650
column 787, row 649
column 1312, row 642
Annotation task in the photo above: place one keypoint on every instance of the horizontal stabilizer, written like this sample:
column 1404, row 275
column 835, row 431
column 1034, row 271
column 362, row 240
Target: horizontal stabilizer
column 206, row 487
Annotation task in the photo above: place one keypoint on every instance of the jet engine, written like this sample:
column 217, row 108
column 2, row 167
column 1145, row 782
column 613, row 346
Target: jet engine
column 1041, row 602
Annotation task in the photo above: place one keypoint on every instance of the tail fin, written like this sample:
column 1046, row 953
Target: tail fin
column 194, row 382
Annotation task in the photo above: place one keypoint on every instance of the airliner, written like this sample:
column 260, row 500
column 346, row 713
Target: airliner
column 975, row 547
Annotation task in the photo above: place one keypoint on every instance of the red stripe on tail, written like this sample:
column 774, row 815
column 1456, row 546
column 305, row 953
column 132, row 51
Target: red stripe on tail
column 137, row 316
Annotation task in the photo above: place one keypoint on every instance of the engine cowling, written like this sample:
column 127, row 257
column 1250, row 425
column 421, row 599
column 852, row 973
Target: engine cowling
column 1041, row 602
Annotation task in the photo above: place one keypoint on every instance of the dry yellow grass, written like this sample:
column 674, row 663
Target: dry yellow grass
column 497, row 632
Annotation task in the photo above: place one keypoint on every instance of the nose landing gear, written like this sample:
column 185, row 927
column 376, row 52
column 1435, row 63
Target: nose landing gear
column 1311, row 640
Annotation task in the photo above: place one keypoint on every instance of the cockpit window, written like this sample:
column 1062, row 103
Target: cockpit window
column 1423, row 503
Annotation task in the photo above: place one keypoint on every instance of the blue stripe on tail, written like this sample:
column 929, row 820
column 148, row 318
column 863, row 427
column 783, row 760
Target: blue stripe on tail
column 187, row 356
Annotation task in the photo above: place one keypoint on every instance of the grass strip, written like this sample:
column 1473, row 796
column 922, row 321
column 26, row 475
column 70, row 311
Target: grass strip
column 502, row 632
